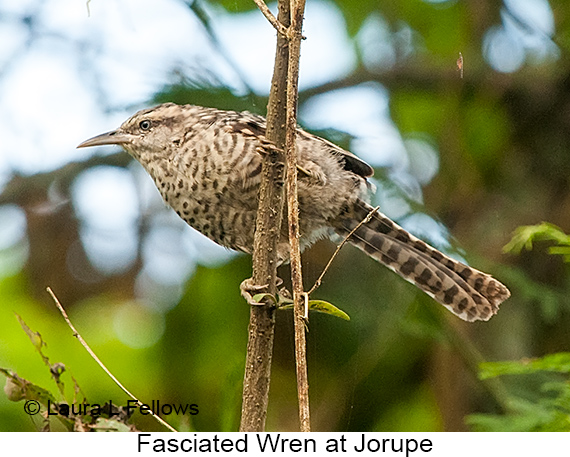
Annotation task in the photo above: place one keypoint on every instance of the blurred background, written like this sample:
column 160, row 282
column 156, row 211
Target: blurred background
column 462, row 158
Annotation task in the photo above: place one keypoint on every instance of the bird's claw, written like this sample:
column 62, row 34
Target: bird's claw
column 253, row 295
column 248, row 288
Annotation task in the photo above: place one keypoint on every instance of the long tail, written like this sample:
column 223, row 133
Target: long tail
column 469, row 293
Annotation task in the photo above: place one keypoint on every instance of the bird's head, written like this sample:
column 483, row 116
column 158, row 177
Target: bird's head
column 153, row 130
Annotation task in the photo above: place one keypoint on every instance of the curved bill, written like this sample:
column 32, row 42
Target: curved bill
column 114, row 137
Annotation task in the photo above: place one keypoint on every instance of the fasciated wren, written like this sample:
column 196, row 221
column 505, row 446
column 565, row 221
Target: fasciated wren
column 206, row 164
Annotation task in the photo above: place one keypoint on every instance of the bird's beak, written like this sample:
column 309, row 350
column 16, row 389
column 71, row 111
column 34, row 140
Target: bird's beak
column 114, row 137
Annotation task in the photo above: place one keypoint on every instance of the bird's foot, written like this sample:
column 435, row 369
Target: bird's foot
column 253, row 295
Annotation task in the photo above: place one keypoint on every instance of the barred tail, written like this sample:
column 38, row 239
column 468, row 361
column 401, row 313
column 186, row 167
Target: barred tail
column 469, row 293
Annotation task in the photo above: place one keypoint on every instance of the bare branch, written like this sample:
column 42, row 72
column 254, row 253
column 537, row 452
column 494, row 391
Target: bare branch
column 300, row 309
column 269, row 16
column 267, row 233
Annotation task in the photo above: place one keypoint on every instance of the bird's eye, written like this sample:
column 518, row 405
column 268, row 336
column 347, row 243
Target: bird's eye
column 145, row 125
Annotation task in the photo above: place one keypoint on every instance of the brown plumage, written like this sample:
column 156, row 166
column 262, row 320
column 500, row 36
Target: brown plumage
column 206, row 164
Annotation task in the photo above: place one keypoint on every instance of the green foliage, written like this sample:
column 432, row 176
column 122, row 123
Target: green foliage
column 552, row 301
column 548, row 407
column 321, row 306
column 549, row 410
column 559, row 362
column 525, row 236
column 43, row 404
column 546, row 415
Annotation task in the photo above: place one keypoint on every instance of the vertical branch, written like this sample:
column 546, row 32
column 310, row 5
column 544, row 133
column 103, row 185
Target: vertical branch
column 268, row 228
column 281, row 131
column 295, row 35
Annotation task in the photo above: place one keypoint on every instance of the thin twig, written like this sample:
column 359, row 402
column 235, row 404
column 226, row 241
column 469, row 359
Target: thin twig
column 270, row 17
column 339, row 247
column 94, row 356
column 300, row 306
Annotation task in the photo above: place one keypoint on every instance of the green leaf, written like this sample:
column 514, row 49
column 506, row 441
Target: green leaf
column 524, row 236
column 559, row 362
column 322, row 306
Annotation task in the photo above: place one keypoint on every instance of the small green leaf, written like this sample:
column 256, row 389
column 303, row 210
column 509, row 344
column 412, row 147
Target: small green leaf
column 322, row 306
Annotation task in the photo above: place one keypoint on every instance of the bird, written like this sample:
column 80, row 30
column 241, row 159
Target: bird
column 206, row 164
